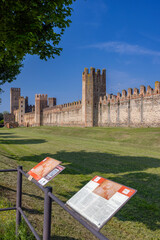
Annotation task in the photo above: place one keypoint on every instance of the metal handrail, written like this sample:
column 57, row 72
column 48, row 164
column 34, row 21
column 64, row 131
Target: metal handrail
column 78, row 217
column 48, row 198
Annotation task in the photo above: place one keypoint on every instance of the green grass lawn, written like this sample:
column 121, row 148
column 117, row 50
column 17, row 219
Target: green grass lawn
column 125, row 155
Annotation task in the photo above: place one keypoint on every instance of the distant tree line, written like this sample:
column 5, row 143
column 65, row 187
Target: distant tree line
column 2, row 117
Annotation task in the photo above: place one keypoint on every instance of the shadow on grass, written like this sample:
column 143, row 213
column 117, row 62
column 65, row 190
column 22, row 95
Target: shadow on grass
column 32, row 211
column 4, row 190
column 9, row 135
column 10, row 194
column 23, row 141
column 144, row 207
column 3, row 133
column 62, row 238
column 13, row 136
column 89, row 162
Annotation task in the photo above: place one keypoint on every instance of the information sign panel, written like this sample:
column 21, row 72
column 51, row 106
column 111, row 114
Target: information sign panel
column 100, row 199
column 46, row 170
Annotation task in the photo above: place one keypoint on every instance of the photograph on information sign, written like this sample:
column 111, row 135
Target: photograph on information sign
column 100, row 199
column 46, row 170
column 107, row 189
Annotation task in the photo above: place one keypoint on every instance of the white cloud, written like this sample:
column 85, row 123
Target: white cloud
column 124, row 48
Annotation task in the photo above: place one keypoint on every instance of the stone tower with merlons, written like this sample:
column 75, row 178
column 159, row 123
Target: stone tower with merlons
column 40, row 104
column 93, row 87
column 15, row 93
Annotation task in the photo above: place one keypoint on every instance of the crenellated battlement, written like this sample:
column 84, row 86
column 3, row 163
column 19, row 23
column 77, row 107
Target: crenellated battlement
column 41, row 96
column 15, row 93
column 93, row 72
column 132, row 107
column 67, row 105
column 15, row 89
column 132, row 94
column 93, row 87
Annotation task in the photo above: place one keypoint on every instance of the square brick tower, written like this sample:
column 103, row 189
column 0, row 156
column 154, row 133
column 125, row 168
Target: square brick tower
column 52, row 102
column 93, row 87
column 40, row 104
column 21, row 110
column 15, row 93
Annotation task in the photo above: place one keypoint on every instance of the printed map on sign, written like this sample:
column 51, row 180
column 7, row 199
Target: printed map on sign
column 100, row 199
column 46, row 170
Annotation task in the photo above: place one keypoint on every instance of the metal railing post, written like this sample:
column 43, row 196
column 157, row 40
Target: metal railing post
column 47, row 214
column 19, row 198
column 48, row 198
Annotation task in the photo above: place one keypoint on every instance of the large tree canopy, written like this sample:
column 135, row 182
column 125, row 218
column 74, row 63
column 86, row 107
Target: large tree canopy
column 30, row 27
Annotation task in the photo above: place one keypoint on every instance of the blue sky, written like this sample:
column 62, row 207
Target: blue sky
column 122, row 36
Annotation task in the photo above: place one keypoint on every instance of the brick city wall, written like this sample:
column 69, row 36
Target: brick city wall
column 63, row 115
column 137, row 109
column 133, row 108
column 29, row 119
